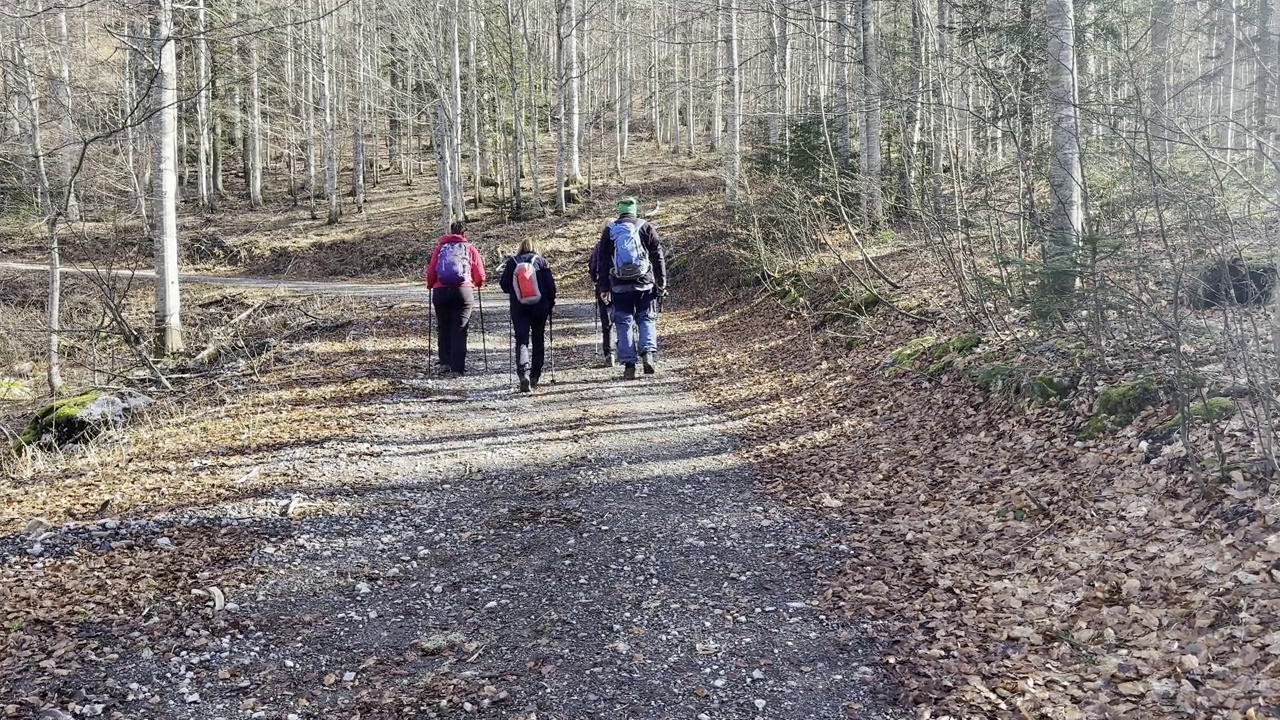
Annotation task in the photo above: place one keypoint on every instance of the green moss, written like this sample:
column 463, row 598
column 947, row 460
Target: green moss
column 11, row 389
column 1124, row 402
column 1093, row 428
column 964, row 344
column 907, row 354
column 996, row 377
column 51, row 416
column 1049, row 388
column 1213, row 410
column 937, row 367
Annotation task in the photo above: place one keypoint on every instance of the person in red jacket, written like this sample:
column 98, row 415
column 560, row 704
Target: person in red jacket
column 455, row 274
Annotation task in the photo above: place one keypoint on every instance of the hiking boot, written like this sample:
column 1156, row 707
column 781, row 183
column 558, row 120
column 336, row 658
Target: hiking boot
column 629, row 371
column 524, row 383
column 647, row 359
column 610, row 359
column 534, row 380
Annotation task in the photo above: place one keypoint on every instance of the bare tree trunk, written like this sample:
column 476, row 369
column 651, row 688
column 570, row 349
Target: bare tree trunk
column 357, row 122
column 164, row 189
column 618, row 110
column 473, row 89
column 869, row 165
column 517, row 114
column 563, row 8
column 844, row 110
column 689, row 111
column 441, row 141
column 48, row 212
column 575, row 69
column 253, row 136
column 1066, row 213
column 330, row 131
column 69, row 154
column 718, row 80
column 309, row 102
column 204, row 126
column 1161, row 21
column 734, row 160
column 455, row 111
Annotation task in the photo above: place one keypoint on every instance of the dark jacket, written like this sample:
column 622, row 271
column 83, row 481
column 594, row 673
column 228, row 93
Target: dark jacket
column 546, row 282
column 602, row 260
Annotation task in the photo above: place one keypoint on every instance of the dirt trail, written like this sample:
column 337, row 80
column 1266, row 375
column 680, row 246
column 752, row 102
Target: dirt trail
column 596, row 549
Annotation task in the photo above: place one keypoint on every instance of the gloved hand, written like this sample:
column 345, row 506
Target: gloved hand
column 606, row 297
column 663, row 292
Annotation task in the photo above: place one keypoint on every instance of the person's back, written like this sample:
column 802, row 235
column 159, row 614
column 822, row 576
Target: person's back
column 529, row 283
column 454, row 274
column 635, row 277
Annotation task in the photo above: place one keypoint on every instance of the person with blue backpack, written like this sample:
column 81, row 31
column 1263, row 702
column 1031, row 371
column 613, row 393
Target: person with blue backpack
column 635, row 280
column 527, row 279
column 455, row 275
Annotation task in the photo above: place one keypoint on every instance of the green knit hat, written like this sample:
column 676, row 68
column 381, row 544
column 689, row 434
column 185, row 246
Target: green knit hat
column 628, row 206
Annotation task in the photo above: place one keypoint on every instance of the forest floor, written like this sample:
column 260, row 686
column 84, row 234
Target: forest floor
column 776, row 517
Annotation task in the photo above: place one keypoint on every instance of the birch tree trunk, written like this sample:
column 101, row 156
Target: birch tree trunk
column 1066, row 214
column 69, row 154
column 844, row 111
column 357, row 121
column 477, row 151
column 517, row 113
column 44, row 198
column 718, row 80
column 575, row 91
column 455, row 128
column 164, row 189
column 309, row 113
column 204, row 126
column 254, row 129
column 563, row 9
column 869, row 166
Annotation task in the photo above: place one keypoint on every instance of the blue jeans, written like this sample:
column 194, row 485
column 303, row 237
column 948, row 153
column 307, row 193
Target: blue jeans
column 630, row 308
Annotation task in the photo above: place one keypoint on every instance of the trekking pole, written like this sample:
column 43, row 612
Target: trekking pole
column 551, row 343
column 484, row 344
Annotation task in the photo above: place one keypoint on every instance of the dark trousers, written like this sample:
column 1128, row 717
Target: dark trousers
column 453, row 316
column 606, row 324
column 530, row 323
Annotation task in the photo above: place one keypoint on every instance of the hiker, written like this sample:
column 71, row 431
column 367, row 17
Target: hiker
column 455, row 274
column 603, row 308
column 636, row 277
column 528, row 281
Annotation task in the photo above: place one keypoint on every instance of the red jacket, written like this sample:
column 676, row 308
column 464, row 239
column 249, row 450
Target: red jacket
column 477, row 264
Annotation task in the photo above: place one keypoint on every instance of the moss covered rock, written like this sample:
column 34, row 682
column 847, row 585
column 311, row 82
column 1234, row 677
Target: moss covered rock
column 995, row 377
column 906, row 355
column 1215, row 409
column 1120, row 405
column 1049, row 388
column 1124, row 402
column 80, row 418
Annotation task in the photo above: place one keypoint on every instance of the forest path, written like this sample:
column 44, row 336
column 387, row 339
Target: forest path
column 594, row 549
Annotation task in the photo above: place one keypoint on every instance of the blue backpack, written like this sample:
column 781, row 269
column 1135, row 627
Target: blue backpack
column 453, row 267
column 630, row 258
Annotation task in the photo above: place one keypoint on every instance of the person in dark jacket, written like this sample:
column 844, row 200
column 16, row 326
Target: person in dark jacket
column 527, row 279
column 634, row 277
column 454, row 274
column 603, row 309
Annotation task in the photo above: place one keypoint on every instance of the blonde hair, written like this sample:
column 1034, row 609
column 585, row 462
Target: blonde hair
column 527, row 245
